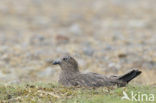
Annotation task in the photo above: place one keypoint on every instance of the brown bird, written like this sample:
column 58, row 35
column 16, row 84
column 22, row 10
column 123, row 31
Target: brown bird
column 71, row 76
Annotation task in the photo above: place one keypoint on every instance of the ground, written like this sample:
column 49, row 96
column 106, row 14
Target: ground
column 104, row 36
column 54, row 93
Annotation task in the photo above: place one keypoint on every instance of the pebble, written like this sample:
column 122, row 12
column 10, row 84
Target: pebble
column 75, row 29
column 47, row 72
column 61, row 39
column 88, row 51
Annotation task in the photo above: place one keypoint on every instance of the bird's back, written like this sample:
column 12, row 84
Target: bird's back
column 91, row 80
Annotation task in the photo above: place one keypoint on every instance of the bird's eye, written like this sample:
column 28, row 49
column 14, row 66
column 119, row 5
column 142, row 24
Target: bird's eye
column 65, row 59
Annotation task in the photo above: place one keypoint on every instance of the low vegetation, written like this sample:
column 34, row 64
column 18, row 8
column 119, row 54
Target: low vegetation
column 51, row 93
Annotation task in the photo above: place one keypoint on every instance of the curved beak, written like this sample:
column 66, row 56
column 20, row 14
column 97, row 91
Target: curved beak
column 56, row 62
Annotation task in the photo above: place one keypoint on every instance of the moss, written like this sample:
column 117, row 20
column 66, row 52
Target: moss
column 48, row 92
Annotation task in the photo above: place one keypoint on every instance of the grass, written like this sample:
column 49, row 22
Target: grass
column 51, row 93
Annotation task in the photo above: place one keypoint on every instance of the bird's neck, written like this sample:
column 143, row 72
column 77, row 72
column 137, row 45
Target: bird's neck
column 68, row 74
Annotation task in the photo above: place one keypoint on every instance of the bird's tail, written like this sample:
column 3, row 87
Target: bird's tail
column 129, row 76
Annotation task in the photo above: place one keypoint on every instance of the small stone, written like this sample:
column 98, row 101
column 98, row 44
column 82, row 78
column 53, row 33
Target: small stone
column 37, row 39
column 5, row 58
column 114, row 66
column 108, row 48
column 9, row 96
column 88, row 51
column 122, row 55
column 149, row 64
column 61, row 39
column 47, row 72
column 75, row 28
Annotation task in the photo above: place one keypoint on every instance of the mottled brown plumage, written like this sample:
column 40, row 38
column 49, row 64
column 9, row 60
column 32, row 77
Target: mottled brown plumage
column 71, row 76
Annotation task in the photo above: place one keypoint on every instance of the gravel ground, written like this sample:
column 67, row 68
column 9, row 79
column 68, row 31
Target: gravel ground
column 107, row 37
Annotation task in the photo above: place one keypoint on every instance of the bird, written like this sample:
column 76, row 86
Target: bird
column 71, row 76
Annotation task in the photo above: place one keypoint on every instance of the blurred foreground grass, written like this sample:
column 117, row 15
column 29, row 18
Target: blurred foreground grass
column 51, row 93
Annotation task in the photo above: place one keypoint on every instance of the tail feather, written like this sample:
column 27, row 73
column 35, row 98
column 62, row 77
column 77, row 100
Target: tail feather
column 129, row 76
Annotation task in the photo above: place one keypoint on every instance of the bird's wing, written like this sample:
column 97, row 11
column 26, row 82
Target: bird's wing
column 92, row 80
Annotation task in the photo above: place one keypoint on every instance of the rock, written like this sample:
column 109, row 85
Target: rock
column 2, row 75
column 75, row 29
column 61, row 39
column 5, row 58
column 114, row 66
column 149, row 64
column 137, row 23
column 88, row 51
column 108, row 48
column 47, row 72
column 33, row 56
column 38, row 40
column 122, row 55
